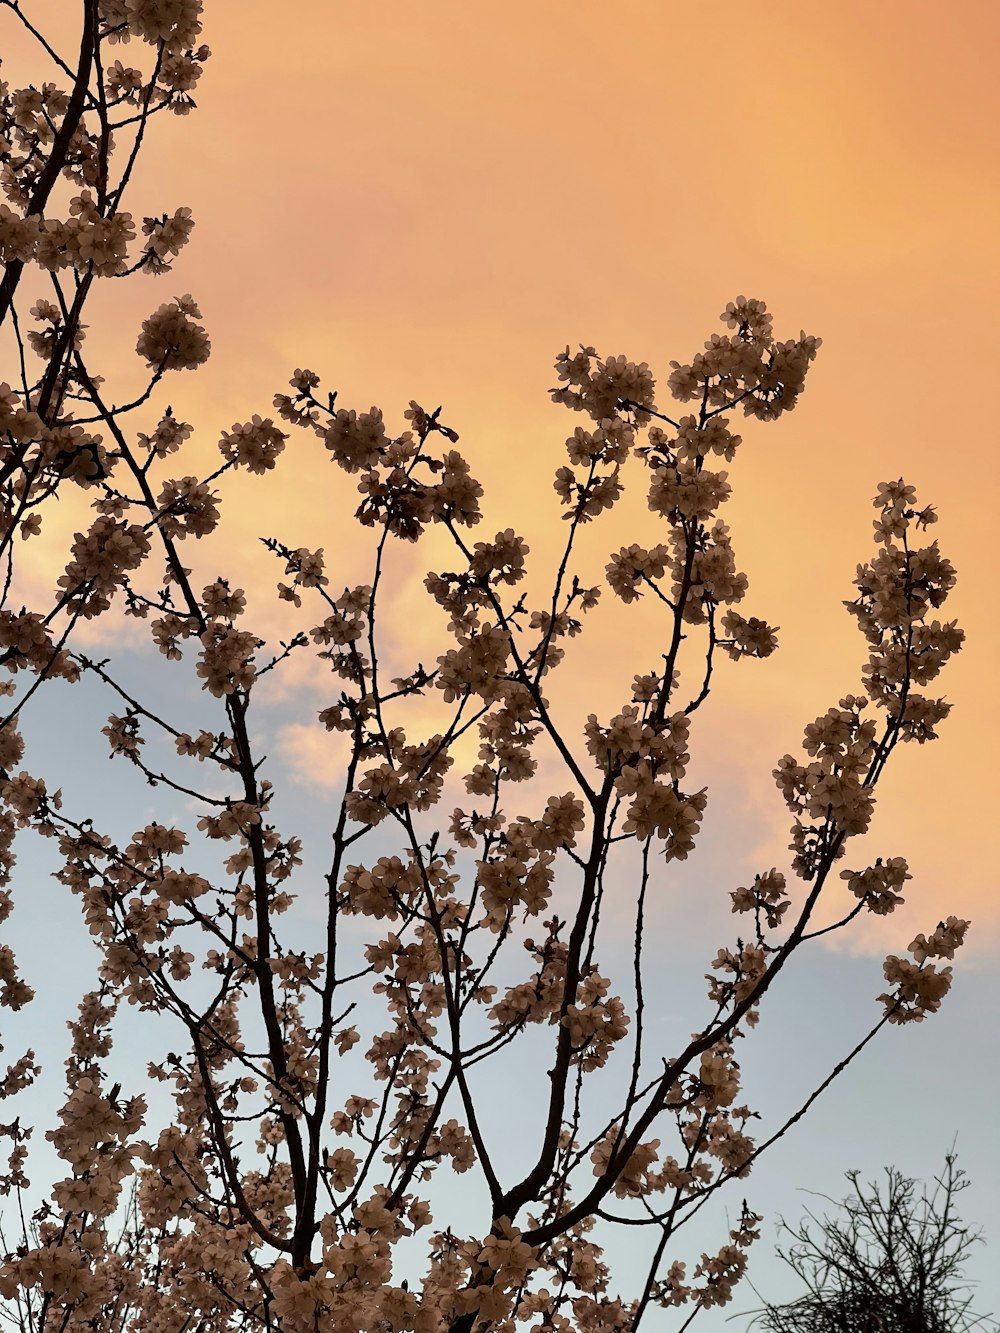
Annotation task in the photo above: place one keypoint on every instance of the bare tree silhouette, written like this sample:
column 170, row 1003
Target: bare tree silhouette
column 889, row 1262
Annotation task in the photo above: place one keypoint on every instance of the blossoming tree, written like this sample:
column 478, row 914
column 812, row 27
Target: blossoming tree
column 294, row 1188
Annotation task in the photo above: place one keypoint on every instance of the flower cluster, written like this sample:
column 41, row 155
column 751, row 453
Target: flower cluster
column 86, row 241
column 187, row 508
column 170, row 338
column 766, row 895
column 167, row 437
column 256, row 445
column 747, row 637
column 175, row 23
column 27, row 644
column 834, row 790
column 99, row 558
column 921, row 985
column 878, row 886
column 897, row 590
column 595, row 1023
column 167, row 236
column 604, row 389
column 633, row 566
column 476, row 666
column 226, row 659
column 766, row 377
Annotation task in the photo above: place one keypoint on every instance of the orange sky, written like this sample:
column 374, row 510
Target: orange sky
column 431, row 201
column 432, row 204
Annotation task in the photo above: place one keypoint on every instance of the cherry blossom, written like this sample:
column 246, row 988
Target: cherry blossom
column 320, row 1092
